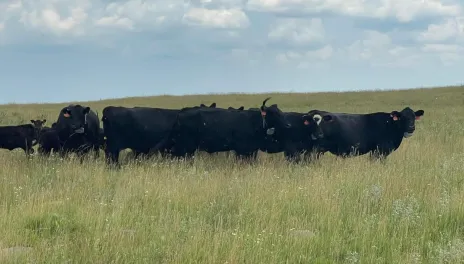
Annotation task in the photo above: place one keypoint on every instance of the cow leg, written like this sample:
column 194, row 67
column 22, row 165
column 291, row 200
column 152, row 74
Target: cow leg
column 44, row 151
column 376, row 156
column 63, row 153
column 247, row 156
column 254, row 155
column 138, row 154
column 292, row 156
column 85, row 153
column 310, row 156
column 28, row 148
column 96, row 151
column 380, row 153
column 112, row 156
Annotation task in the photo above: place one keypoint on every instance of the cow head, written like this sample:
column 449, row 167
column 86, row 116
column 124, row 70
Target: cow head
column 38, row 124
column 273, row 117
column 321, row 123
column 312, row 125
column 406, row 120
column 73, row 118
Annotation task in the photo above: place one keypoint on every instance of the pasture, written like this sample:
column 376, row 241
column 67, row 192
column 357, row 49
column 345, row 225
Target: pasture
column 218, row 210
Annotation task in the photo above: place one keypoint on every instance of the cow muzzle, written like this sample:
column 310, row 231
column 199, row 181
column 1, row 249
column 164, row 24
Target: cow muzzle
column 407, row 134
column 409, row 131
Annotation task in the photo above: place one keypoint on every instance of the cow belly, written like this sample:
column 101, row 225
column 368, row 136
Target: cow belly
column 12, row 143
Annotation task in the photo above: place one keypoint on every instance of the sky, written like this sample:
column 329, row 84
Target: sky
column 76, row 50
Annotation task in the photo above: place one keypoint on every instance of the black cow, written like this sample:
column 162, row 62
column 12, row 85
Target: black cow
column 300, row 139
column 137, row 128
column 378, row 133
column 20, row 136
column 216, row 130
column 48, row 141
column 39, row 125
column 78, row 130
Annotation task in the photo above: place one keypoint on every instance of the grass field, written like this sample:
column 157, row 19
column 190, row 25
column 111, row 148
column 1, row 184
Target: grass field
column 217, row 210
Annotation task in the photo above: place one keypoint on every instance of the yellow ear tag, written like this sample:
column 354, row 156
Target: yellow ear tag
column 66, row 115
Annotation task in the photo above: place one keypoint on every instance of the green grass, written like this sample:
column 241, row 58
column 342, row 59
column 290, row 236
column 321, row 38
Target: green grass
column 218, row 210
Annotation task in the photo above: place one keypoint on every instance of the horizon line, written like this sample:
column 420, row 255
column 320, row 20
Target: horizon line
column 238, row 93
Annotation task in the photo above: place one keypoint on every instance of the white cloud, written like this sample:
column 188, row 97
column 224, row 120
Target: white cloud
column 79, row 17
column 53, row 21
column 297, row 31
column 373, row 44
column 141, row 14
column 115, row 21
column 216, row 18
column 243, row 34
column 303, row 59
column 378, row 49
column 450, row 28
column 445, row 48
column 402, row 10
column 447, row 53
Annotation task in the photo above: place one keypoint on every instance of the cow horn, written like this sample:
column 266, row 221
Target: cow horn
column 265, row 100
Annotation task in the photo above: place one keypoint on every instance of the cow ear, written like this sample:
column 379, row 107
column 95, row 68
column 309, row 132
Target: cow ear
column 327, row 118
column 419, row 113
column 202, row 105
column 263, row 110
column 44, row 121
column 32, row 121
column 395, row 115
column 86, row 110
column 241, row 108
column 213, row 105
column 305, row 119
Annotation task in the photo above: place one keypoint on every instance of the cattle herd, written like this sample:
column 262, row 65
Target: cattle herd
column 181, row 132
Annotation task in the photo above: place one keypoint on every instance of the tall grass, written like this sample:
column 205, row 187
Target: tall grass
column 218, row 210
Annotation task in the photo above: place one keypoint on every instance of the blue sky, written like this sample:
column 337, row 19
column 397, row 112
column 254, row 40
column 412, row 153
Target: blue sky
column 69, row 50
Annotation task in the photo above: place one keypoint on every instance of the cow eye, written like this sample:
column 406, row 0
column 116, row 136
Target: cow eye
column 316, row 119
